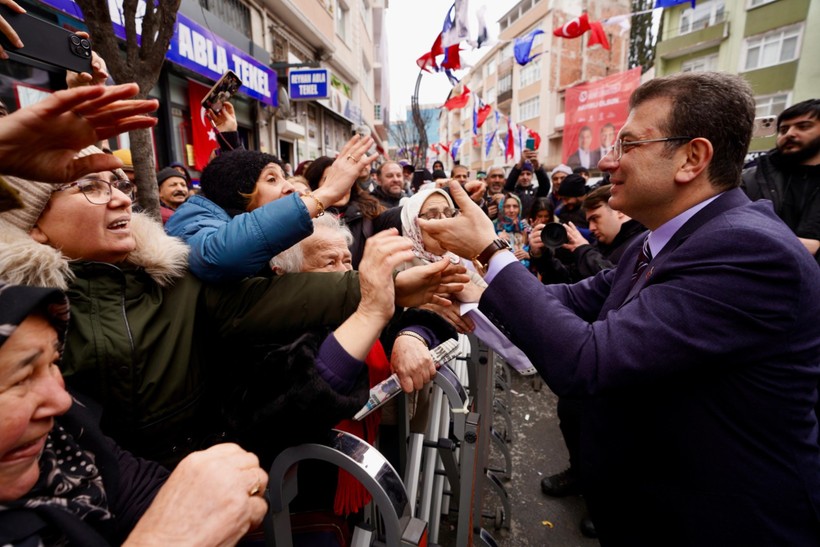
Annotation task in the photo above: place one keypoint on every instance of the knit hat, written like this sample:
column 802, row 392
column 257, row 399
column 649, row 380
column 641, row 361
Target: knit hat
column 574, row 186
column 18, row 302
column 562, row 168
column 35, row 195
column 232, row 174
column 527, row 166
column 167, row 173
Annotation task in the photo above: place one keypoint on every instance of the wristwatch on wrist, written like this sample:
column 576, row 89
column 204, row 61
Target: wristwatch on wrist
column 482, row 261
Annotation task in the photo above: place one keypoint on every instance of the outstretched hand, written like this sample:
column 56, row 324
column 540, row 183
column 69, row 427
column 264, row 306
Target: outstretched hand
column 422, row 284
column 351, row 162
column 466, row 234
column 40, row 142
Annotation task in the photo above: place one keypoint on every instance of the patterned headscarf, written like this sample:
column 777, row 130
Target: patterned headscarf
column 507, row 224
column 410, row 223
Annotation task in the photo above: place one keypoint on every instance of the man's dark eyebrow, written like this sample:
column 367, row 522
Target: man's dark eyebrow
column 26, row 361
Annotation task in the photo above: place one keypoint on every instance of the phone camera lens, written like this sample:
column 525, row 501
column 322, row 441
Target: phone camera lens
column 85, row 44
column 75, row 39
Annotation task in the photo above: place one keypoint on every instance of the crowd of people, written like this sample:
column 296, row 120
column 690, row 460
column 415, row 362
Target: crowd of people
column 151, row 369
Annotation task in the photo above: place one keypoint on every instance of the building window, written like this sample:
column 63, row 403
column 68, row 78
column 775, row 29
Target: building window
column 342, row 19
column 377, row 112
column 507, row 52
column 530, row 74
column 491, row 67
column 233, row 12
column 505, row 83
column 530, row 109
column 772, row 49
column 771, row 105
column 490, row 98
column 701, row 64
column 701, row 16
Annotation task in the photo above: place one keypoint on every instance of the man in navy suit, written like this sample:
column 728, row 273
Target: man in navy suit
column 700, row 367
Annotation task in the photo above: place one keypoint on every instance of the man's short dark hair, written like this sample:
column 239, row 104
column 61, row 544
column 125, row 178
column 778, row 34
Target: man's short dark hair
column 458, row 167
column 581, row 170
column 716, row 106
column 810, row 107
column 597, row 197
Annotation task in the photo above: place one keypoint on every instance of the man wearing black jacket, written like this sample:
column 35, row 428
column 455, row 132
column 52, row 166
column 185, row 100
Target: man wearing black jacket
column 519, row 181
column 789, row 175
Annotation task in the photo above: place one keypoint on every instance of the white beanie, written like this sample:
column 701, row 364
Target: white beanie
column 561, row 168
column 35, row 196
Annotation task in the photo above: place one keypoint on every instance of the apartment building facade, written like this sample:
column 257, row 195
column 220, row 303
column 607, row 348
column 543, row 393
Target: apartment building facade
column 769, row 42
column 533, row 95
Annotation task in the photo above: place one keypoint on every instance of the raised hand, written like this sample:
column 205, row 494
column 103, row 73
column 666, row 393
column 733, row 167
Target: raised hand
column 351, row 162
column 40, row 142
column 466, row 234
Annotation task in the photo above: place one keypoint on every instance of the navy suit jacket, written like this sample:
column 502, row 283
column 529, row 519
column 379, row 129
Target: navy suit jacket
column 701, row 380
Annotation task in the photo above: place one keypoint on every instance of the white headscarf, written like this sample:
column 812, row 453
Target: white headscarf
column 410, row 223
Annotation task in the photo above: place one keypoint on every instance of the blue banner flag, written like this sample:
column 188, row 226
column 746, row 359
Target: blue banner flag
column 670, row 3
column 523, row 45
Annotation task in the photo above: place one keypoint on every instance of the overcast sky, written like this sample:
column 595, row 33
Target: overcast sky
column 412, row 26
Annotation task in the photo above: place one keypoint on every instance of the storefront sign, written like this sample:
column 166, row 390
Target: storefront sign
column 197, row 49
column 309, row 85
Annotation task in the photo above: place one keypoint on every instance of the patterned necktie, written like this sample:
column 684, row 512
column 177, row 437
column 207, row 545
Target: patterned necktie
column 643, row 260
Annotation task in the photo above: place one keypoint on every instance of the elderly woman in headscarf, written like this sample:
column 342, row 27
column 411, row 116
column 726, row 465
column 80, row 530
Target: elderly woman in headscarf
column 63, row 482
column 433, row 204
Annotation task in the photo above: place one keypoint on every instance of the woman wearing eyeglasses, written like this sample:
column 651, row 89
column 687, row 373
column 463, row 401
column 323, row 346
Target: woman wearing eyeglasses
column 511, row 227
column 146, row 336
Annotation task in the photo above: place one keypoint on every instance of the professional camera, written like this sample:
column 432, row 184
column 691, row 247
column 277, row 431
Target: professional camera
column 553, row 235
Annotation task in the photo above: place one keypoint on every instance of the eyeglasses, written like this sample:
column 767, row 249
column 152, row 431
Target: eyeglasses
column 622, row 146
column 99, row 191
column 435, row 214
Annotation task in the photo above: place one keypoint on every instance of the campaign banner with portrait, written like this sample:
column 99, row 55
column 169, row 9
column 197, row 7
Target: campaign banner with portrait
column 594, row 113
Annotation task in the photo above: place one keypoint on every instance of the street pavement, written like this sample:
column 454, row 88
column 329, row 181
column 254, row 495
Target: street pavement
column 537, row 450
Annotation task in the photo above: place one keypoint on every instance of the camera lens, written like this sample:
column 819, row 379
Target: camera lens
column 553, row 235
column 85, row 43
column 75, row 39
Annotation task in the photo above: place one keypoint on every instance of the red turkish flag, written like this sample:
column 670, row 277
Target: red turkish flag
column 573, row 28
column 428, row 60
column 597, row 36
column 483, row 112
column 203, row 132
column 458, row 99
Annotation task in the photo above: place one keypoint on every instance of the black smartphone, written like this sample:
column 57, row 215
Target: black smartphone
column 222, row 91
column 46, row 42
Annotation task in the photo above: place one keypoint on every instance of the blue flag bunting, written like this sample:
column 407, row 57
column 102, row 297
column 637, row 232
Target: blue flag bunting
column 523, row 45
column 670, row 3
column 489, row 138
column 455, row 147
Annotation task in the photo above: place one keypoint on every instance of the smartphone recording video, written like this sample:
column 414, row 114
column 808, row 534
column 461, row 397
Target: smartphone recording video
column 222, row 91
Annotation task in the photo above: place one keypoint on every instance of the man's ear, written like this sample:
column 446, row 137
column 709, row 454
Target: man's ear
column 38, row 235
column 699, row 153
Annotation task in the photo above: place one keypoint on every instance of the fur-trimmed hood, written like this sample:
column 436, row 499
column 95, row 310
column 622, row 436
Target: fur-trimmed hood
column 23, row 261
